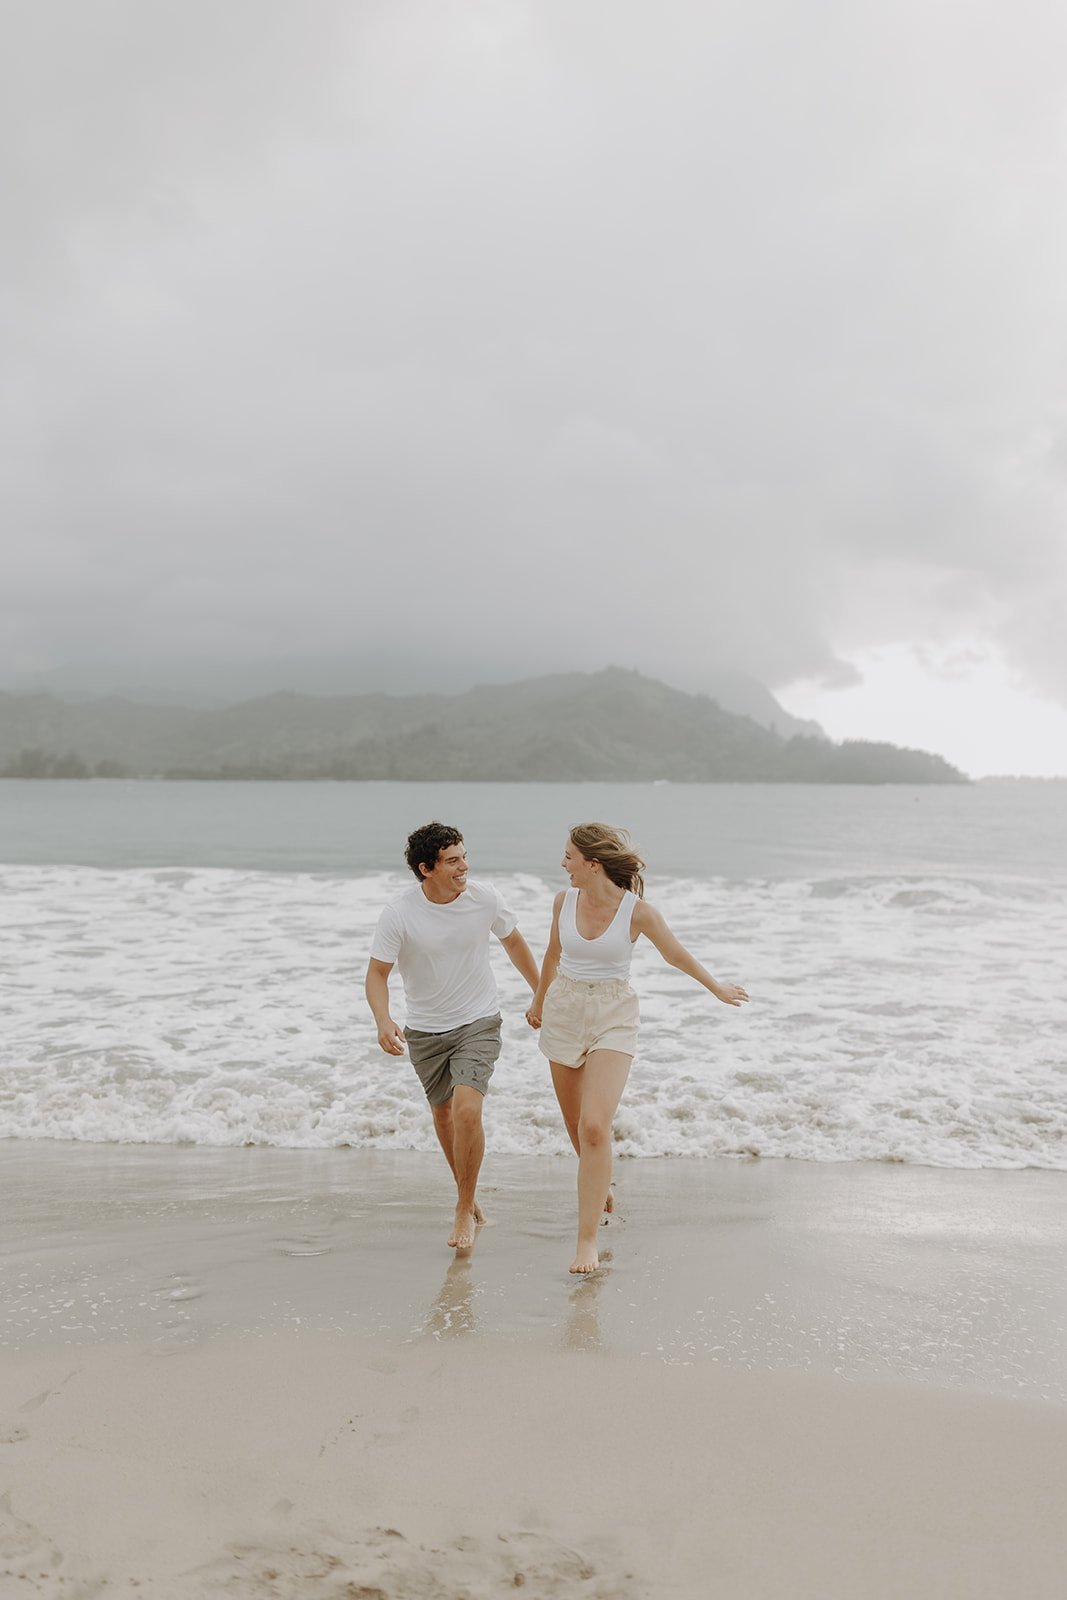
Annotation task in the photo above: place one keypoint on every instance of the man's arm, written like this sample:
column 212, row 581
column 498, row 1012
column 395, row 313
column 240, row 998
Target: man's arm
column 521, row 957
column 376, row 988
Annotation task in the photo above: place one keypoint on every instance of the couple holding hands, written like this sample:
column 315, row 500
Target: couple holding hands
column 584, row 1008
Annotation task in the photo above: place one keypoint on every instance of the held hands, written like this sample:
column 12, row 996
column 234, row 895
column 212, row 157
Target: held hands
column 533, row 1013
column 391, row 1038
column 731, row 994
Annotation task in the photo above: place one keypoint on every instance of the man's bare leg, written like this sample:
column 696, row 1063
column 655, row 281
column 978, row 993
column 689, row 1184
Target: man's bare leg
column 605, row 1074
column 567, row 1082
column 468, row 1148
column 442, row 1122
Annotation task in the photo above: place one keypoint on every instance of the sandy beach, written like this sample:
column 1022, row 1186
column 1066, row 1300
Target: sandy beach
column 261, row 1372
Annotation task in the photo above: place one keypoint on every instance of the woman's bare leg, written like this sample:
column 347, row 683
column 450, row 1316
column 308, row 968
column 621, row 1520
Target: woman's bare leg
column 567, row 1082
column 604, row 1078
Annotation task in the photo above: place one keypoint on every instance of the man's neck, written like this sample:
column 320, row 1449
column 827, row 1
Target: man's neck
column 439, row 899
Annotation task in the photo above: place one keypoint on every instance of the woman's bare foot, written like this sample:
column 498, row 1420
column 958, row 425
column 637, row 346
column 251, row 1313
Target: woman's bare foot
column 463, row 1229
column 586, row 1258
column 609, row 1200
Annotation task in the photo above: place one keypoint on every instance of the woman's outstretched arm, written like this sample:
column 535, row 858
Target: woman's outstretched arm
column 647, row 920
column 549, row 966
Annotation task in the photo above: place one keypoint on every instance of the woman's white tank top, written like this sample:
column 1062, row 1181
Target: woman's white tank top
column 597, row 960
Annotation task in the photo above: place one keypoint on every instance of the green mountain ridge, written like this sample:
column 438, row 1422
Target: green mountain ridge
column 608, row 725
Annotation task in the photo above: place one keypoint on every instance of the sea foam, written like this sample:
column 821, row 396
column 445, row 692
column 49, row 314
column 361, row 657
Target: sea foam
column 912, row 1019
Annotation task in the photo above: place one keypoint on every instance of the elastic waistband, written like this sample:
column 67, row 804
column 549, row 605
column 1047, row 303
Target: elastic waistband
column 442, row 1033
column 612, row 986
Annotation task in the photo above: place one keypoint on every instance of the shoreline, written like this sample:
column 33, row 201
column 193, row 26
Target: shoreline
column 859, row 1269
column 261, row 1372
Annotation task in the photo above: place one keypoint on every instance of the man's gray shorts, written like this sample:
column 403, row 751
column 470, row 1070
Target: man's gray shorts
column 462, row 1055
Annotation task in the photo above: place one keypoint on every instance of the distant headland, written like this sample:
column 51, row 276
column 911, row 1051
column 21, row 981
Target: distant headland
column 613, row 725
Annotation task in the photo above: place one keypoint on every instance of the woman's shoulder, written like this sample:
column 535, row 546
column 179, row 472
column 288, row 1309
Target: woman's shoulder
column 561, row 895
column 644, row 914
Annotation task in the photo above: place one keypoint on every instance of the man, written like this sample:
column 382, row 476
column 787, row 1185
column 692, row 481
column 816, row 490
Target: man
column 437, row 932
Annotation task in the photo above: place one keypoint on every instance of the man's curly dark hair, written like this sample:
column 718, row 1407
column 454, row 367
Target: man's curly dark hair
column 426, row 844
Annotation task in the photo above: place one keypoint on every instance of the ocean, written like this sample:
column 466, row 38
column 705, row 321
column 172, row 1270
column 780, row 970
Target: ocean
column 183, row 963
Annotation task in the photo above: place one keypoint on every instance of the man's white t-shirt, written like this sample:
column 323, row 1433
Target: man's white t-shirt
column 442, row 952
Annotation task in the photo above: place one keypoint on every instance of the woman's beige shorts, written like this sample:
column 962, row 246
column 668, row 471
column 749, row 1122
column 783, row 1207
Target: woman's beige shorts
column 580, row 1017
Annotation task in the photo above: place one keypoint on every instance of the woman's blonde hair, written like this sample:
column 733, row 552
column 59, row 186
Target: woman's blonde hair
column 614, row 849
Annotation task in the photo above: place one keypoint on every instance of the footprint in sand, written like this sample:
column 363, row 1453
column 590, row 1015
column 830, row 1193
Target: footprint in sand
column 19, row 1539
column 175, row 1294
column 381, row 1564
column 409, row 1415
column 183, row 1289
column 15, row 1432
column 174, row 1298
column 310, row 1236
column 309, row 1241
column 37, row 1401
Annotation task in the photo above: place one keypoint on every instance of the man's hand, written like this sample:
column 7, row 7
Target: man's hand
column 533, row 1015
column 391, row 1038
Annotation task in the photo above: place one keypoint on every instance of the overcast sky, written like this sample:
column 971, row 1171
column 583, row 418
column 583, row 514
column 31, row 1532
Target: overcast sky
column 547, row 335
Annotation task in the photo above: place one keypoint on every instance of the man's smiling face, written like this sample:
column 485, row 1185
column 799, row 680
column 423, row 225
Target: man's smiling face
column 448, row 879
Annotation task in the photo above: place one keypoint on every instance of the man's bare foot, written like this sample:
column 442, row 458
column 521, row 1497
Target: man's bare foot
column 479, row 1215
column 463, row 1229
column 586, row 1258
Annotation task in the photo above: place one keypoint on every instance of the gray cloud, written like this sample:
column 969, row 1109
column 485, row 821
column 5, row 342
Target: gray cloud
column 539, row 334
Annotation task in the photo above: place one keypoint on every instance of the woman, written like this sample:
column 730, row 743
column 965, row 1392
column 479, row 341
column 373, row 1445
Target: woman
column 586, row 1009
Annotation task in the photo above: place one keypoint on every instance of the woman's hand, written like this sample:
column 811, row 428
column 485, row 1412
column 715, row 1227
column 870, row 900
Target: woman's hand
column 731, row 994
column 533, row 1013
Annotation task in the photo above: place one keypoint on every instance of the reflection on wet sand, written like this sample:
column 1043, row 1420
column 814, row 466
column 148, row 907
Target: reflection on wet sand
column 452, row 1313
column 583, row 1330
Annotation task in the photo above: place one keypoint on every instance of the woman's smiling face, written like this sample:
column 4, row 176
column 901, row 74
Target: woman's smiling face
column 574, row 863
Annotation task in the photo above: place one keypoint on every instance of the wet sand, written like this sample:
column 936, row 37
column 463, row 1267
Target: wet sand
column 263, row 1372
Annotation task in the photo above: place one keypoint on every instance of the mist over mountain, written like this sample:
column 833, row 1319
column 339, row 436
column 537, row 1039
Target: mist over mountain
column 213, row 684
column 608, row 725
